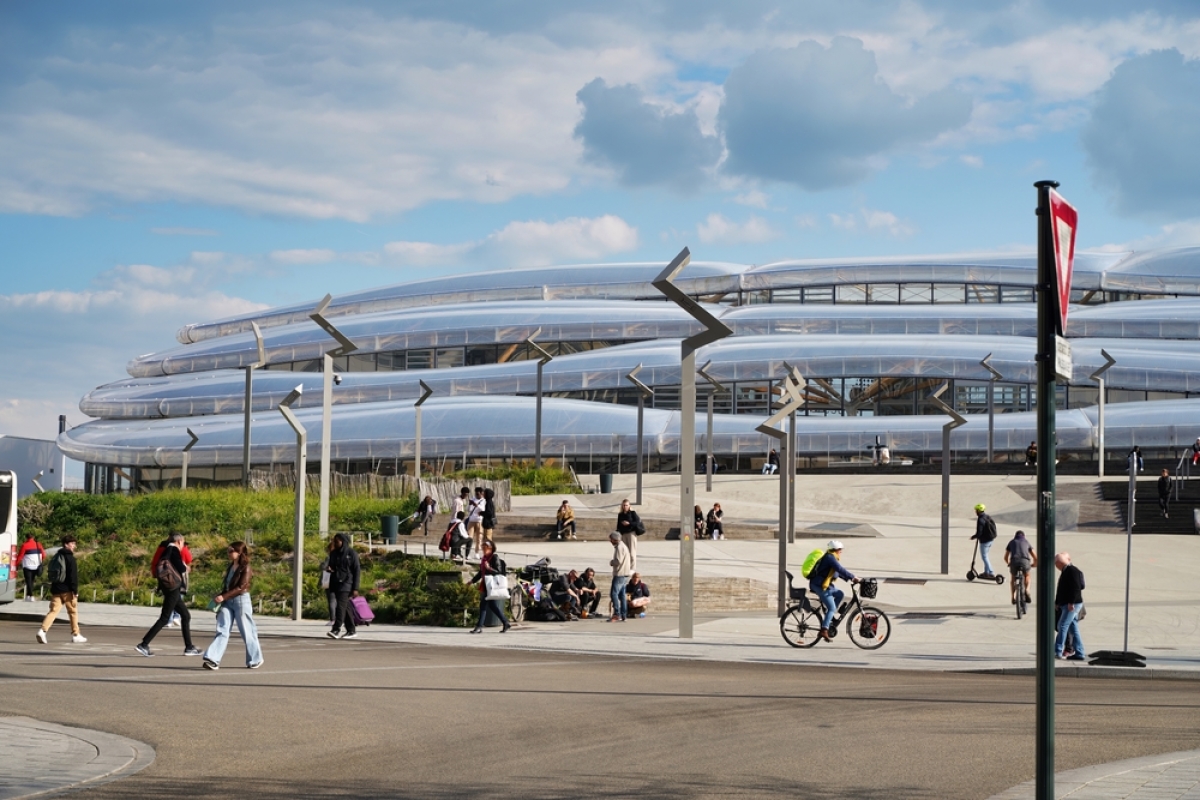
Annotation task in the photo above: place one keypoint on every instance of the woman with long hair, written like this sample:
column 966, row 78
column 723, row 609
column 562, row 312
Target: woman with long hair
column 489, row 564
column 234, row 605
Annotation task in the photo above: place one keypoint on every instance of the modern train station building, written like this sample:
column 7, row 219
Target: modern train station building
column 873, row 338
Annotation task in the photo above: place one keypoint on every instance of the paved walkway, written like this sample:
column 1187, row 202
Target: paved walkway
column 42, row 759
column 940, row 622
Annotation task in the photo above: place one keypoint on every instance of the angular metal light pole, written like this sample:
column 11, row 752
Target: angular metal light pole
column 187, row 458
column 956, row 420
column 262, row 360
column 986, row 363
column 347, row 346
column 425, row 393
column 37, row 480
column 714, row 329
column 644, row 394
column 545, row 359
column 1098, row 377
column 301, row 468
column 714, row 387
column 792, row 390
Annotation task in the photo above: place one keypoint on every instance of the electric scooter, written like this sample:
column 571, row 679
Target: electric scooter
column 972, row 574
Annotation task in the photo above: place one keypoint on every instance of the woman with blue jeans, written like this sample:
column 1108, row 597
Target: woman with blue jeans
column 821, row 583
column 235, row 606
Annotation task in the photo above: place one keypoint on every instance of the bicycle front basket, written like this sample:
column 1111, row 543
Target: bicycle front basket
column 869, row 588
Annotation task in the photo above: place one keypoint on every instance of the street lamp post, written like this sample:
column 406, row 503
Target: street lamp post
column 986, row 363
column 644, row 393
column 714, row 387
column 425, row 393
column 956, row 420
column 301, row 468
column 714, row 329
column 187, row 458
column 347, row 346
column 248, row 403
column 1098, row 377
column 792, row 390
column 544, row 359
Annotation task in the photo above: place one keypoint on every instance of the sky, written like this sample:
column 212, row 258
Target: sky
column 168, row 163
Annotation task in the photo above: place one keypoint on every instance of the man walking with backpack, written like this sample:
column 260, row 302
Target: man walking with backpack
column 985, row 534
column 64, row 590
column 170, row 571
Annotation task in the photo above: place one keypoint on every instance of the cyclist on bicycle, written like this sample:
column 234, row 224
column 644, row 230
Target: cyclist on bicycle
column 821, row 583
column 1020, row 557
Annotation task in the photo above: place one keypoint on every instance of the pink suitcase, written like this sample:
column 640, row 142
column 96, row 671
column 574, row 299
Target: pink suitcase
column 361, row 611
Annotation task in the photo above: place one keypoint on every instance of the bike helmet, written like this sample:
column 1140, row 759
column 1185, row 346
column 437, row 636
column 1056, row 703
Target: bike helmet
column 980, row 507
column 833, row 544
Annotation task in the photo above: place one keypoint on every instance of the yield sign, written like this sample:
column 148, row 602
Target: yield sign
column 1064, row 221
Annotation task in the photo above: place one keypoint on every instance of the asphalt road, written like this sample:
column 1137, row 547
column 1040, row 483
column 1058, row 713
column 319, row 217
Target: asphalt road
column 365, row 719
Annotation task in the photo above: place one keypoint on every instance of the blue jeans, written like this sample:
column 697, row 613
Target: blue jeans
column 1068, row 625
column 619, row 600
column 831, row 598
column 240, row 610
column 984, row 549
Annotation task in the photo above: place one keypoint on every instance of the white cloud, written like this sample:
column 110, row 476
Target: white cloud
column 717, row 229
column 527, row 243
column 317, row 256
column 753, row 198
column 971, row 161
column 874, row 222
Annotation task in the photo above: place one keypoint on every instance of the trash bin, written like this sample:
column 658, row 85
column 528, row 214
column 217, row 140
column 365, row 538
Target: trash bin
column 390, row 526
column 605, row 483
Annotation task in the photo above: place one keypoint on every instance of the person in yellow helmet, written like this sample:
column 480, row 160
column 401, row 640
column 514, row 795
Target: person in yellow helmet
column 985, row 534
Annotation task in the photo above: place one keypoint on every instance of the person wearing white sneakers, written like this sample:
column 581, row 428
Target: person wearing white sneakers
column 64, row 590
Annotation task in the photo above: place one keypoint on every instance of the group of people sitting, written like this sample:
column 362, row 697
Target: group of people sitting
column 710, row 525
column 575, row 596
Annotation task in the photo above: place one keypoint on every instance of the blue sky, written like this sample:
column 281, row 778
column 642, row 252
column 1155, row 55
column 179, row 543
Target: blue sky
column 169, row 163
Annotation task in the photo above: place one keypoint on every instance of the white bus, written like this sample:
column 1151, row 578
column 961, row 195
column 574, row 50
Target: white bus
column 10, row 571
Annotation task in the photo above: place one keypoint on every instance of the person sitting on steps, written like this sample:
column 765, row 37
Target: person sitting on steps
column 564, row 519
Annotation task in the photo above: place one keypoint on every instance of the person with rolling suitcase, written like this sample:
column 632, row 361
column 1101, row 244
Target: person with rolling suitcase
column 343, row 569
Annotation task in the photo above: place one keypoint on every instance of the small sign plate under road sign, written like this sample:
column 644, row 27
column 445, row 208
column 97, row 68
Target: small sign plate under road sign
column 1062, row 359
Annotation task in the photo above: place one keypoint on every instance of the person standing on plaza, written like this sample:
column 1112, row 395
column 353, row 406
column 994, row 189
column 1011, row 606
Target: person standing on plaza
column 475, row 506
column 821, row 583
column 985, row 534
column 1164, row 493
column 1020, row 557
column 1068, row 600
column 172, row 583
column 460, row 503
column 489, row 564
column 622, row 569
column 64, row 590
column 234, row 605
column 489, row 514
column 344, row 569
column 30, row 557
column 630, row 526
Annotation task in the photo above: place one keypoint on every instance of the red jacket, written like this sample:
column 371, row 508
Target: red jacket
column 30, row 546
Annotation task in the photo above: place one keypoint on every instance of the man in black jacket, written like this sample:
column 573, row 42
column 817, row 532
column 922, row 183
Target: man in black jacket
column 985, row 534
column 64, row 588
column 343, row 571
column 1068, row 600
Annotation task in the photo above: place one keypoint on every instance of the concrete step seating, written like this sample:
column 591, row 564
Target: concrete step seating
column 515, row 527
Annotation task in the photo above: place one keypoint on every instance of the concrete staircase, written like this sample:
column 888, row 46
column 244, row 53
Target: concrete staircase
column 1149, row 517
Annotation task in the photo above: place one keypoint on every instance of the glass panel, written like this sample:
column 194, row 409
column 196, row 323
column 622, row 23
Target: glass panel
column 751, row 398
column 307, row 366
column 948, row 293
column 786, row 296
column 1016, row 294
column 364, row 362
column 818, row 294
column 979, row 293
column 666, row 397
column 420, row 359
column 883, row 293
column 449, row 357
column 390, row 361
column 916, row 293
column 481, row 355
column 853, row 293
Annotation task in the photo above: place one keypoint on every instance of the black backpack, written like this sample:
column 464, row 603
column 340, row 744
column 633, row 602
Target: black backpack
column 58, row 569
column 169, row 578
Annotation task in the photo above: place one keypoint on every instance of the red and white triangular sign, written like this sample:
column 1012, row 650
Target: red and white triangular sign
column 1064, row 221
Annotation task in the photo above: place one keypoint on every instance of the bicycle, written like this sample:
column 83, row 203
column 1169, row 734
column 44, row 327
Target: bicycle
column 868, row 627
column 1019, row 588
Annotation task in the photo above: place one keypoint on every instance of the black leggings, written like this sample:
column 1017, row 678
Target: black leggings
column 172, row 602
column 30, row 576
